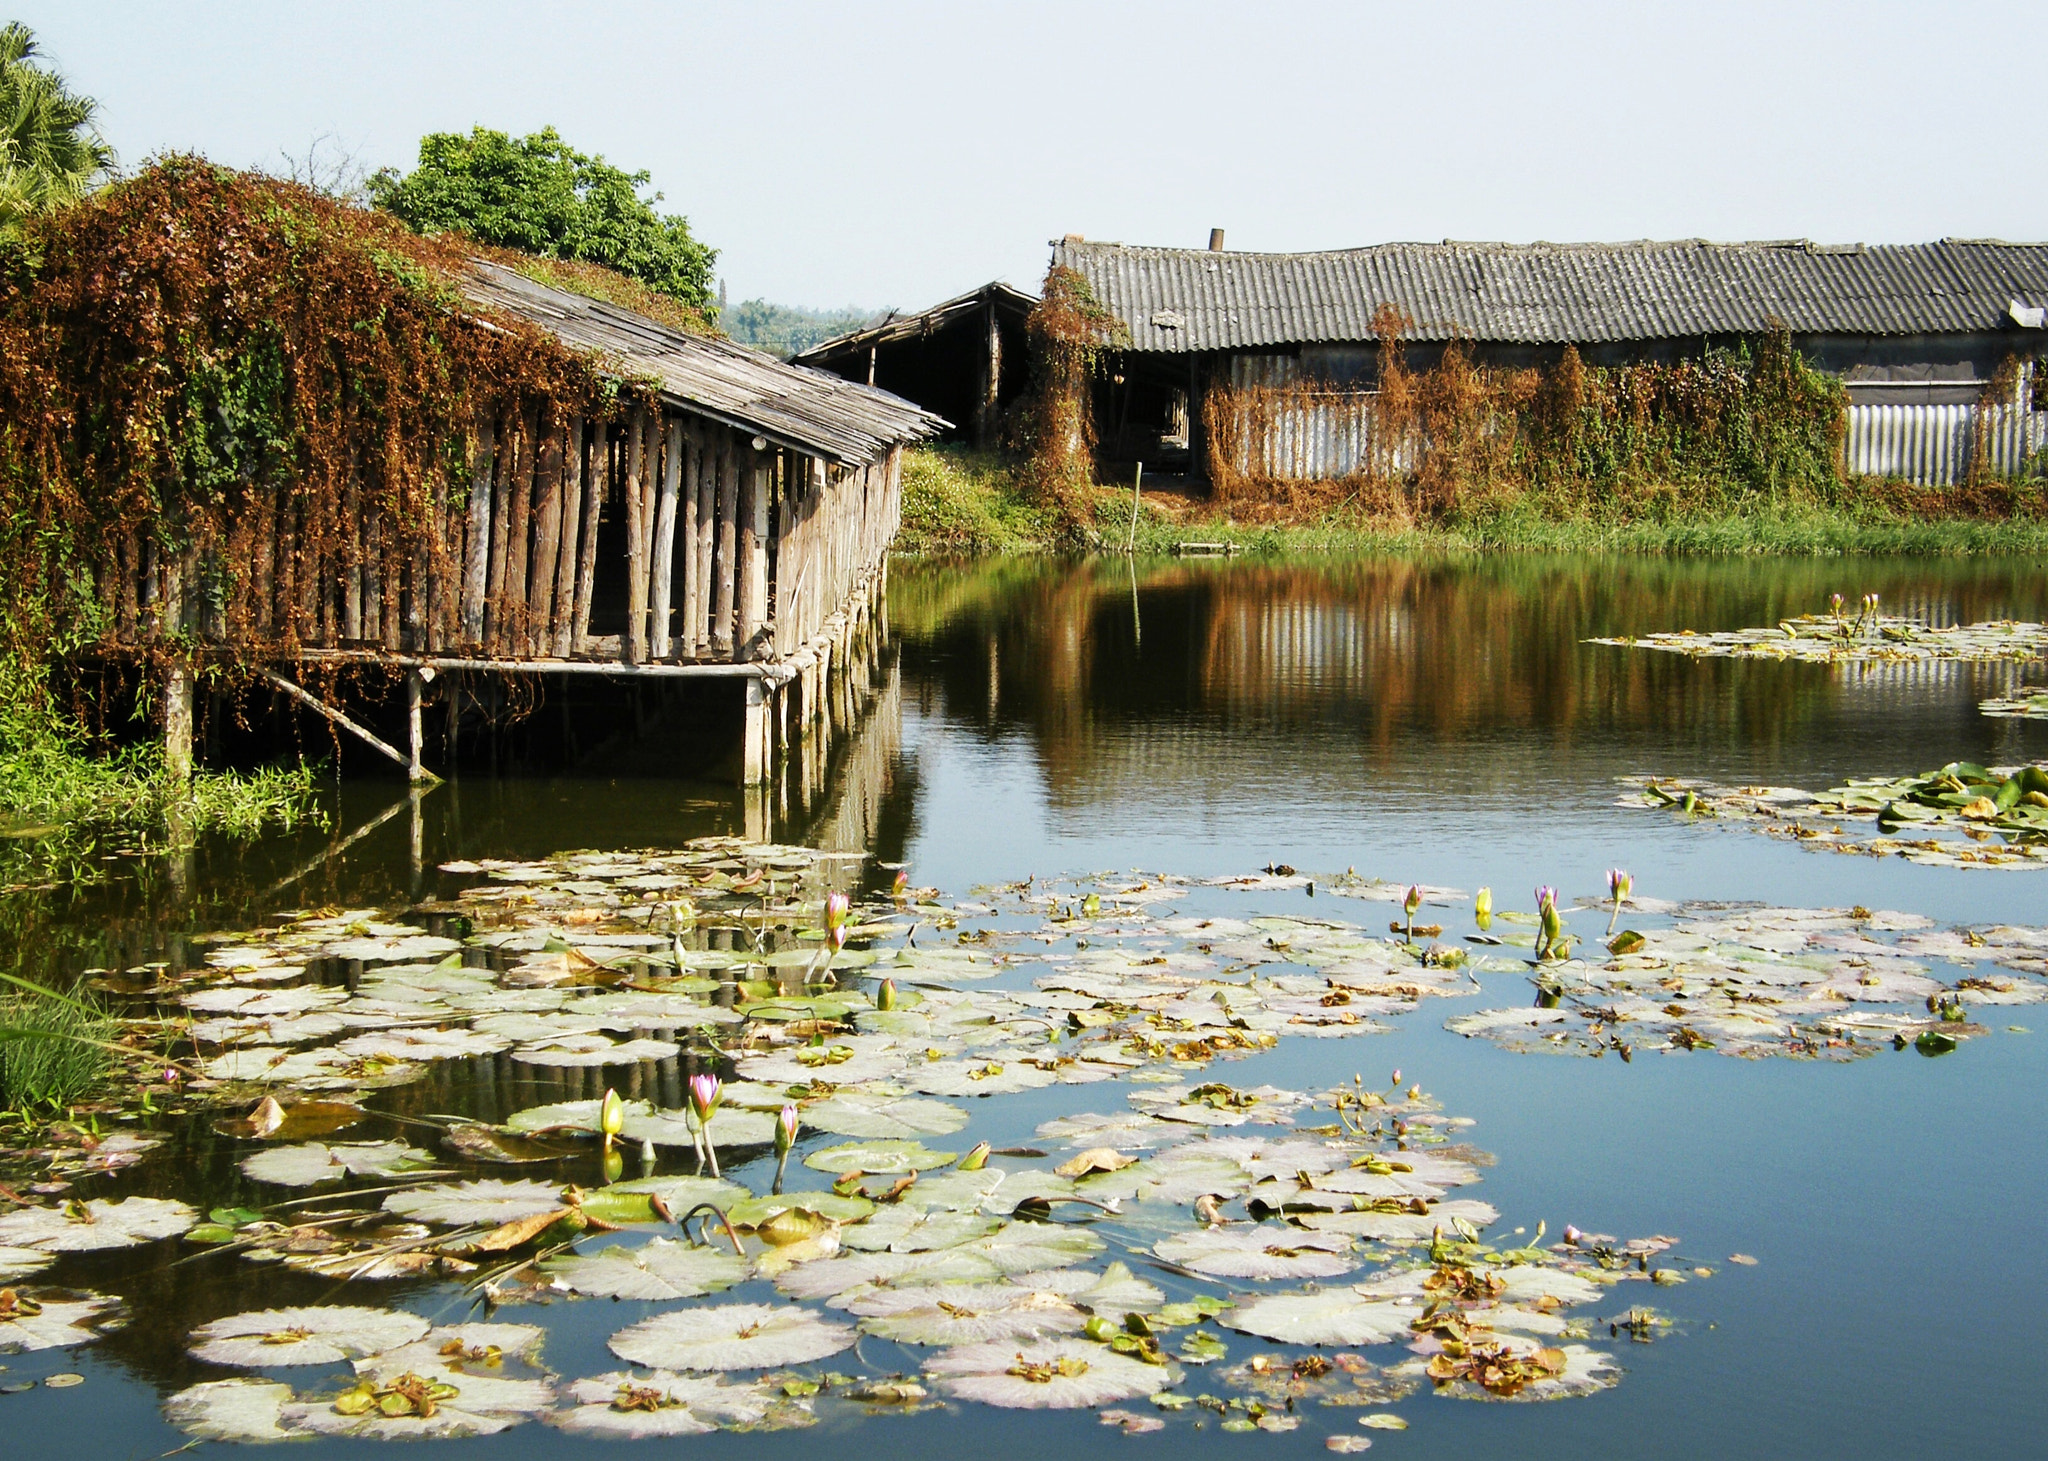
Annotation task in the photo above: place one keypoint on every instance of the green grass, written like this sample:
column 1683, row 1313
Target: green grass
column 961, row 503
column 52, row 1050
column 957, row 501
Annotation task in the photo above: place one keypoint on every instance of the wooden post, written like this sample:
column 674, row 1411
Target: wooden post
column 547, row 536
column 728, row 546
column 415, row 691
column 665, row 540
column 567, row 564
column 754, row 734
column 511, row 639
column 596, row 483
column 990, row 379
column 476, row 550
column 501, row 522
column 709, row 445
column 634, row 644
column 178, row 723
column 693, row 472
column 757, row 481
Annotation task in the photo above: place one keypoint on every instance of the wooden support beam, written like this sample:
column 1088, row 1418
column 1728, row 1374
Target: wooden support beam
column 709, row 445
column 567, row 563
column 727, row 547
column 511, row 638
column 634, row 641
column 754, row 735
column 178, row 723
column 991, row 379
column 476, row 548
column 596, row 483
column 500, row 548
column 691, row 627
column 547, row 537
column 313, row 702
column 416, row 736
column 756, row 484
column 661, row 590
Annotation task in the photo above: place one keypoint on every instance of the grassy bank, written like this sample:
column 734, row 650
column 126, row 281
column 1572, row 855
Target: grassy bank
column 959, row 502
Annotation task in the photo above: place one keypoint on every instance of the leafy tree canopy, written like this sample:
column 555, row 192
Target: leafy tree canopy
column 49, row 151
column 541, row 196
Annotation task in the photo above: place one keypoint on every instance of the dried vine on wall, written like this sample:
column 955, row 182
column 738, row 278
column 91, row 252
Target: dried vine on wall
column 211, row 378
column 1752, row 423
column 1068, row 331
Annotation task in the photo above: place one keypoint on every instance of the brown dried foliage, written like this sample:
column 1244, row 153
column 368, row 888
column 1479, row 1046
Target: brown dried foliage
column 202, row 366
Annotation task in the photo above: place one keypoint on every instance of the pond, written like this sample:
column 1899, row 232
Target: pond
column 1212, row 779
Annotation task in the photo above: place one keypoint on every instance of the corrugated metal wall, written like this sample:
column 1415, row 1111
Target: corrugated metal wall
column 1325, row 437
column 1932, row 444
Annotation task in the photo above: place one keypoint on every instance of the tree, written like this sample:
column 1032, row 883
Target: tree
column 50, row 153
column 541, row 196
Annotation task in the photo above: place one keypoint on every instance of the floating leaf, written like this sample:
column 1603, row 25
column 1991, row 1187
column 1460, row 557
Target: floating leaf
column 1061, row 1374
column 660, row 1403
column 879, row 1157
column 730, row 1337
column 79, row 1227
column 309, row 1163
column 241, row 1409
column 863, row 1114
column 29, row 1323
column 1260, row 1251
column 320, row 1335
column 661, row 1270
column 464, row 1203
column 1337, row 1316
column 959, row 1313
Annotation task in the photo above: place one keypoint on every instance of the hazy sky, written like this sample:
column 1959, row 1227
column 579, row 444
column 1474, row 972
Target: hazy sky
column 892, row 154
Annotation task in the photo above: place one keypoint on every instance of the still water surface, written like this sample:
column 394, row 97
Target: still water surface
column 1435, row 722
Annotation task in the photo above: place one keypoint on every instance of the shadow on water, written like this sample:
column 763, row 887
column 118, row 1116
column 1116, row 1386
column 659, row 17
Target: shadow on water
column 1436, row 720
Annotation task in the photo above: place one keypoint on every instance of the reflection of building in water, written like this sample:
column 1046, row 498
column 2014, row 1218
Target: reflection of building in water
column 841, row 810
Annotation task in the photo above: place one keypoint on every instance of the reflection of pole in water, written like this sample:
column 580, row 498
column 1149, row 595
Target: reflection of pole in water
column 419, row 841
column 1137, row 629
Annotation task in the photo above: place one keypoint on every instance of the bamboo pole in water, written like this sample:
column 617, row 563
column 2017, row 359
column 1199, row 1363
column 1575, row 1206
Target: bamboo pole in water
column 634, row 642
column 567, row 562
column 665, row 539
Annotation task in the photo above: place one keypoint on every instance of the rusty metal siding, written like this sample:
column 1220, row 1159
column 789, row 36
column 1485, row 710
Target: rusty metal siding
column 1181, row 300
column 1324, row 437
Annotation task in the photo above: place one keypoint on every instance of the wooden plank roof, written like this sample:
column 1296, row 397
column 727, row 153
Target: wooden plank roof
column 1007, row 298
column 810, row 411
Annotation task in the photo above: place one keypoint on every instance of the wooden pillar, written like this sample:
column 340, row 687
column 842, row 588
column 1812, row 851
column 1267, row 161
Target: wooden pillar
column 991, row 379
column 415, row 694
column 665, row 539
column 634, row 645
column 567, row 562
column 596, row 483
column 757, row 482
column 754, row 734
column 727, row 546
column 178, row 723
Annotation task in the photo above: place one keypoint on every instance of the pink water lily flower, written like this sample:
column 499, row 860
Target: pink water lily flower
column 704, row 1095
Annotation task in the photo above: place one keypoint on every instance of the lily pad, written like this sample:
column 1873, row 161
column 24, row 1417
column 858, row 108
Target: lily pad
column 1058, row 1374
column 244, row 1408
column 731, row 1337
column 661, row 1270
column 80, row 1227
column 309, row 1163
column 1259, row 1251
column 464, row 1203
column 868, row 1115
column 660, row 1403
column 46, row 1321
column 879, row 1157
column 1336, row 1316
column 966, row 1314
column 320, row 1335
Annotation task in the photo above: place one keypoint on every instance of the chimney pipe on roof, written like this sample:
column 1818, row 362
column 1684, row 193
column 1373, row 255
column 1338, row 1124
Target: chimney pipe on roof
column 1215, row 240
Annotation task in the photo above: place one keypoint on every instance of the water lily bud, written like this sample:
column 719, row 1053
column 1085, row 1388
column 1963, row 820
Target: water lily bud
column 1835, row 603
column 1397, row 1077
column 1413, row 901
column 704, row 1094
column 885, row 995
column 1482, row 903
column 611, row 1114
column 1553, row 923
column 785, row 1131
column 900, row 884
column 1573, row 1236
column 1619, row 884
column 836, row 936
column 976, row 1159
column 1546, row 897
column 836, row 906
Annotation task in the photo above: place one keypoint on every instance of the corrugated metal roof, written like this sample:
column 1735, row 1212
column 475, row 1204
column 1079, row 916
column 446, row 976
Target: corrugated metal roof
column 809, row 410
column 1178, row 300
column 1007, row 298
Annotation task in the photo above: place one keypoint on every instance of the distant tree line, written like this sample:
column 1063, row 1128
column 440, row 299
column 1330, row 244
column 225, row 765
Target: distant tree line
column 785, row 329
